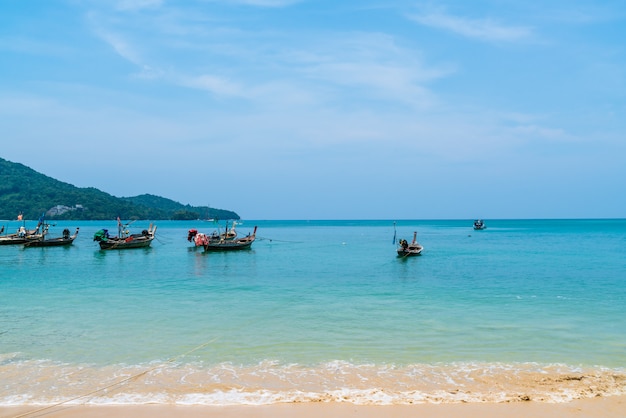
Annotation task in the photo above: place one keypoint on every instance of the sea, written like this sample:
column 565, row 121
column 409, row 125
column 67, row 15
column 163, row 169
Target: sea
column 318, row 311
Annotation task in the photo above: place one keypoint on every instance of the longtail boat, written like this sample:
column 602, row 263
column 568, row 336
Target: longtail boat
column 124, row 239
column 406, row 249
column 200, row 239
column 64, row 240
column 224, row 244
column 23, row 235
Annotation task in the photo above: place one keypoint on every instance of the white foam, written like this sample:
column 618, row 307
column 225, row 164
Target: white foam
column 269, row 382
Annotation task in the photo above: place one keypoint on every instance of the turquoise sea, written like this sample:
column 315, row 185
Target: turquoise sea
column 318, row 311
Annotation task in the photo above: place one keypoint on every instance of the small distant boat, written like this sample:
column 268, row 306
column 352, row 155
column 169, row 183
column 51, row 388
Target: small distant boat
column 479, row 224
column 406, row 249
column 230, row 244
column 42, row 241
column 124, row 239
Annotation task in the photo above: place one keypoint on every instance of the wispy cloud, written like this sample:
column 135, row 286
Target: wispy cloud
column 217, row 85
column 265, row 3
column 120, row 45
column 264, row 66
column 123, row 46
column 374, row 66
column 578, row 13
column 482, row 29
column 125, row 5
column 324, row 78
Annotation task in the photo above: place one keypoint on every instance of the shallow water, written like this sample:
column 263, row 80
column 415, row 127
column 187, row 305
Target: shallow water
column 320, row 310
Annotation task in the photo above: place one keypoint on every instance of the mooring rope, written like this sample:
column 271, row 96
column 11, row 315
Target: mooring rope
column 277, row 240
column 135, row 376
column 127, row 379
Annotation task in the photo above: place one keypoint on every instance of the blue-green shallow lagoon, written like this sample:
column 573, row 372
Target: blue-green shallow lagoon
column 319, row 310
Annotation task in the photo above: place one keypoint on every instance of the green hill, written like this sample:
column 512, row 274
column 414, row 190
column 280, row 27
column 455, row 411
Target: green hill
column 179, row 211
column 24, row 190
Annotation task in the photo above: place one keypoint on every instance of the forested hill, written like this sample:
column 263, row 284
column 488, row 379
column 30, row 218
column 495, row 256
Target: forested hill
column 24, row 190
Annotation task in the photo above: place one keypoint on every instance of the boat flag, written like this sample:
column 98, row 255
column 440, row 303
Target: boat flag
column 20, row 216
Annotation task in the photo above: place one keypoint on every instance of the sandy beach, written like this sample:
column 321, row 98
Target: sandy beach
column 601, row 407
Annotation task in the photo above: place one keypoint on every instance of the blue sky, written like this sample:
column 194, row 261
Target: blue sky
column 288, row 109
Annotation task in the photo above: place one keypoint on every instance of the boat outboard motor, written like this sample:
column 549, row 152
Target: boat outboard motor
column 101, row 235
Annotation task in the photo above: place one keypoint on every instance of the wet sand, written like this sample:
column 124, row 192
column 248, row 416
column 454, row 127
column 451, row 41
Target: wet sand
column 600, row 407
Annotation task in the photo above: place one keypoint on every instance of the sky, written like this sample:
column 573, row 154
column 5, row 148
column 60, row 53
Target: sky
column 324, row 109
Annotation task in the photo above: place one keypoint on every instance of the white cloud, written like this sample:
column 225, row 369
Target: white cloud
column 263, row 65
column 535, row 131
column 217, row 85
column 483, row 29
column 376, row 81
column 121, row 46
column 371, row 66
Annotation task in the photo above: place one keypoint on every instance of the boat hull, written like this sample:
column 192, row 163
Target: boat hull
column 20, row 238
column 63, row 241
column 55, row 242
column 237, row 244
column 15, row 240
column 233, row 245
column 124, row 243
column 409, row 252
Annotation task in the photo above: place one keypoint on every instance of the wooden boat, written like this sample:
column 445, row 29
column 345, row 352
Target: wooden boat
column 124, row 239
column 235, row 244
column 22, row 236
column 15, row 239
column 200, row 239
column 64, row 240
column 479, row 224
column 406, row 249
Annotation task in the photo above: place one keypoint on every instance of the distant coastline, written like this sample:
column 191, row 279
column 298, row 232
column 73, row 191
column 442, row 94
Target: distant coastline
column 26, row 192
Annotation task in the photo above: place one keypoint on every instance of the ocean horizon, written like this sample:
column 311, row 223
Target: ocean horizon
column 319, row 310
